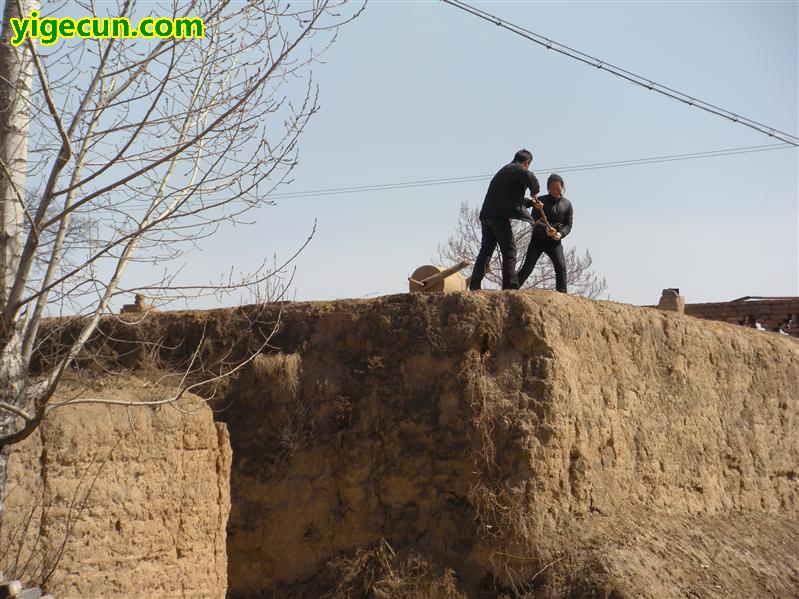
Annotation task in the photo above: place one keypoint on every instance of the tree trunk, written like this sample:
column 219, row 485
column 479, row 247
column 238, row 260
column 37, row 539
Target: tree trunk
column 16, row 68
column 15, row 88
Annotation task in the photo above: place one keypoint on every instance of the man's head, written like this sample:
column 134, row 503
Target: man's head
column 523, row 157
column 555, row 185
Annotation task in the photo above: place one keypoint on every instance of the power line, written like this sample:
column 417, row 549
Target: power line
column 625, row 74
column 561, row 169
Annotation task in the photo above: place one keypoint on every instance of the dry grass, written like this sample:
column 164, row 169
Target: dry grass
column 379, row 573
column 285, row 368
column 503, row 515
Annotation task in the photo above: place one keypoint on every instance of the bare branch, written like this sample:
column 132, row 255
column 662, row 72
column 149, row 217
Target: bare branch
column 15, row 410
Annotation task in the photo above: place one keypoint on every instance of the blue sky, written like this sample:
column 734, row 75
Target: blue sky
column 421, row 90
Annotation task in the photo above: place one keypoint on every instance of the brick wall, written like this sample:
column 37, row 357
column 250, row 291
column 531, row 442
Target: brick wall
column 772, row 314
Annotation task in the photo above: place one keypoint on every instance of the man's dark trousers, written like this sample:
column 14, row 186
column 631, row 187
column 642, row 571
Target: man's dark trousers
column 496, row 231
column 553, row 249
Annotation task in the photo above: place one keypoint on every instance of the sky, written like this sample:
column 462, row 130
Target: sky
column 422, row 90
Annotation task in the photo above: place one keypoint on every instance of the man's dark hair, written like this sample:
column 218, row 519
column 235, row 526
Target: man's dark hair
column 522, row 156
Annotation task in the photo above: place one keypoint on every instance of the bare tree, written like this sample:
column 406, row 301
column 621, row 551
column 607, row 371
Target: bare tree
column 465, row 244
column 120, row 151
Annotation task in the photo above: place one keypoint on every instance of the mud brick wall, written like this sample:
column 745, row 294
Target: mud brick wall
column 492, row 431
column 115, row 502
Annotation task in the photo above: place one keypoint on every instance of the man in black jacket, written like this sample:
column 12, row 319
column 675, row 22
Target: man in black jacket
column 504, row 201
column 545, row 240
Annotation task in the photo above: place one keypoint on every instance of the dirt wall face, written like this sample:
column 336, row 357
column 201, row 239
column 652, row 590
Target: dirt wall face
column 109, row 501
column 497, row 433
column 450, row 446
column 680, row 415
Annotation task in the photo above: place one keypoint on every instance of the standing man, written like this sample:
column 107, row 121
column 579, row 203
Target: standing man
column 504, row 200
column 546, row 240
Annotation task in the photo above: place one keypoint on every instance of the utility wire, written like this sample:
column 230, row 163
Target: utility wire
column 561, row 169
column 624, row 74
